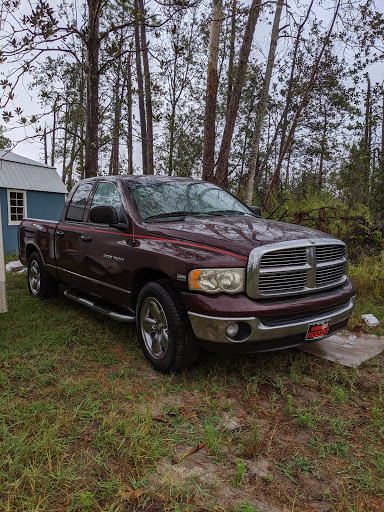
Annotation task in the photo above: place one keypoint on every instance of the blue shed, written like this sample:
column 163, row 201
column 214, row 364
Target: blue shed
column 27, row 189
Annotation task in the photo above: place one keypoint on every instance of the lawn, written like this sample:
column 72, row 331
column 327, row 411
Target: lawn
column 88, row 425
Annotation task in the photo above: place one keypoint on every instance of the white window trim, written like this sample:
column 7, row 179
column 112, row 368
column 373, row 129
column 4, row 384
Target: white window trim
column 24, row 192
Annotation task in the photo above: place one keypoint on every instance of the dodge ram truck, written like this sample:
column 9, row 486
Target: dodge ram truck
column 191, row 265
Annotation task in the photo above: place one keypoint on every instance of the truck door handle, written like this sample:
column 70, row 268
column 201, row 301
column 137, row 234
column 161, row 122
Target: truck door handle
column 60, row 233
column 86, row 238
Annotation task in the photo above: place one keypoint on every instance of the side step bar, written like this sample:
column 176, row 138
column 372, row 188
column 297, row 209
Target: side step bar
column 70, row 293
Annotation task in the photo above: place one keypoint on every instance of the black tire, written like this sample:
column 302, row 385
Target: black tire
column 165, row 332
column 40, row 283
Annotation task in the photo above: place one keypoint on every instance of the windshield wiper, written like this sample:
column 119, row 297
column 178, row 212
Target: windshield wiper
column 174, row 214
column 227, row 212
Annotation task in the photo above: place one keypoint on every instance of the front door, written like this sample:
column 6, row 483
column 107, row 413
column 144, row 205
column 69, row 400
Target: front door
column 104, row 250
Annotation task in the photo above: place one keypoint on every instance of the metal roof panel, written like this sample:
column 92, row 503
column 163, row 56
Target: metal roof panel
column 25, row 174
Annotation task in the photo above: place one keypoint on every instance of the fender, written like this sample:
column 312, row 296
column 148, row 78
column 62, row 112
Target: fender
column 36, row 247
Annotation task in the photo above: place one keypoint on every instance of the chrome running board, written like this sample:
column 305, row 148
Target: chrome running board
column 70, row 293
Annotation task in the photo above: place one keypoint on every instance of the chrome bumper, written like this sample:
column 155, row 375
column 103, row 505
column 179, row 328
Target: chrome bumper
column 212, row 328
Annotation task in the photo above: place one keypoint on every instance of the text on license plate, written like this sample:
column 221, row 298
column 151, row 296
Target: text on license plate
column 318, row 330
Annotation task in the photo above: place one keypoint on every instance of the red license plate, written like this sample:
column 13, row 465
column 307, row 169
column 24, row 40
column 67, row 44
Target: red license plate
column 318, row 330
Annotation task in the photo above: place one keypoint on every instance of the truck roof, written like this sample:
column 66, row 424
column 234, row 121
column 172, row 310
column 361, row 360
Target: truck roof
column 145, row 178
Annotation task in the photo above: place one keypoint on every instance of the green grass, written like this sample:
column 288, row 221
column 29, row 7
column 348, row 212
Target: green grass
column 87, row 425
column 369, row 278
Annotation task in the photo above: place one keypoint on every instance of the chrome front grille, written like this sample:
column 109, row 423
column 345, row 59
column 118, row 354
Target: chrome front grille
column 299, row 266
column 291, row 257
column 330, row 252
column 281, row 282
column 330, row 274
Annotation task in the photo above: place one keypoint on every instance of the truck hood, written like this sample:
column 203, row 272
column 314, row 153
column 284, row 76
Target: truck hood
column 233, row 233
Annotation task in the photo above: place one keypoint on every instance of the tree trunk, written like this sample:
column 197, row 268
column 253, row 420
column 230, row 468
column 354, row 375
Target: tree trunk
column 367, row 135
column 45, row 147
column 283, row 122
column 262, row 106
column 323, row 149
column 63, row 176
column 92, row 100
column 291, row 79
column 69, row 170
column 114, row 160
column 230, row 72
column 211, row 98
column 382, row 139
column 148, row 92
column 54, row 133
column 129, row 113
column 301, row 106
column 171, row 138
column 172, row 122
column 231, row 52
column 140, row 86
column 222, row 162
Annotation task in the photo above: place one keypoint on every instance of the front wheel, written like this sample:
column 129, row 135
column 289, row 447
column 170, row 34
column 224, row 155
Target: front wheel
column 165, row 333
column 40, row 283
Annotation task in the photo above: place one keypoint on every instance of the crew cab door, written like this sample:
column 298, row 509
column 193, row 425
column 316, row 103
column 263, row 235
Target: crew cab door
column 68, row 237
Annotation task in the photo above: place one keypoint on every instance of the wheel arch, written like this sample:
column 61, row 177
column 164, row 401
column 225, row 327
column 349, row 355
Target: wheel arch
column 32, row 247
column 143, row 277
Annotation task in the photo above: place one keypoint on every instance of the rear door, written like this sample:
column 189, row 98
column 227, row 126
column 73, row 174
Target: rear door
column 69, row 236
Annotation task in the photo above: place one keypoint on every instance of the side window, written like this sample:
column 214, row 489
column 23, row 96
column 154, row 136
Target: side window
column 17, row 206
column 78, row 203
column 107, row 195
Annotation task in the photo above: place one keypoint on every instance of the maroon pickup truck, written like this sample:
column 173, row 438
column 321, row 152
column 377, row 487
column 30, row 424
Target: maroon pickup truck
column 191, row 265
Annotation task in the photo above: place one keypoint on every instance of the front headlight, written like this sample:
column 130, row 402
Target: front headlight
column 217, row 280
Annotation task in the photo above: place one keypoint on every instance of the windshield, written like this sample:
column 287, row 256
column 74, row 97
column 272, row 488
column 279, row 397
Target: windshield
column 166, row 201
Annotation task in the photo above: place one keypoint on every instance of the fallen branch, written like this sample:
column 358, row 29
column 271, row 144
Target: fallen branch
column 194, row 450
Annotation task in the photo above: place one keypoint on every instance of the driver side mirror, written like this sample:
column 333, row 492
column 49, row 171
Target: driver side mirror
column 256, row 210
column 103, row 215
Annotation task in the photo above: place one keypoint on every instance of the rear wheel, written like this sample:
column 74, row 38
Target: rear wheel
column 40, row 283
column 165, row 333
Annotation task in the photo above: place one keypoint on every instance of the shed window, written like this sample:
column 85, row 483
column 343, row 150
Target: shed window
column 17, row 206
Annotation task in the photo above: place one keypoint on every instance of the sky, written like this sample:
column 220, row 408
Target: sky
column 28, row 100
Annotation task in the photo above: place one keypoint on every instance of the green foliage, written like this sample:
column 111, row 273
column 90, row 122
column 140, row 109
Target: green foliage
column 5, row 142
column 213, row 439
column 368, row 275
column 305, row 418
column 353, row 224
column 241, row 470
column 244, row 507
column 289, row 406
column 294, row 465
column 87, row 501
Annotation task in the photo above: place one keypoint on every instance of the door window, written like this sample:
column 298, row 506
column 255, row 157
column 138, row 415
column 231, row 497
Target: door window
column 79, row 202
column 107, row 195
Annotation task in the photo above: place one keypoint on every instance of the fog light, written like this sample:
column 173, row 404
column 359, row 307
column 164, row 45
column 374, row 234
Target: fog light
column 232, row 330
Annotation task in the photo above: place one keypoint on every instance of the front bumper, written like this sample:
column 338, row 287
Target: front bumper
column 256, row 329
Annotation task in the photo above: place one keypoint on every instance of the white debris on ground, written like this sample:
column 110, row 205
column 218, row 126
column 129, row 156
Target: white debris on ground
column 370, row 320
column 347, row 348
column 14, row 266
